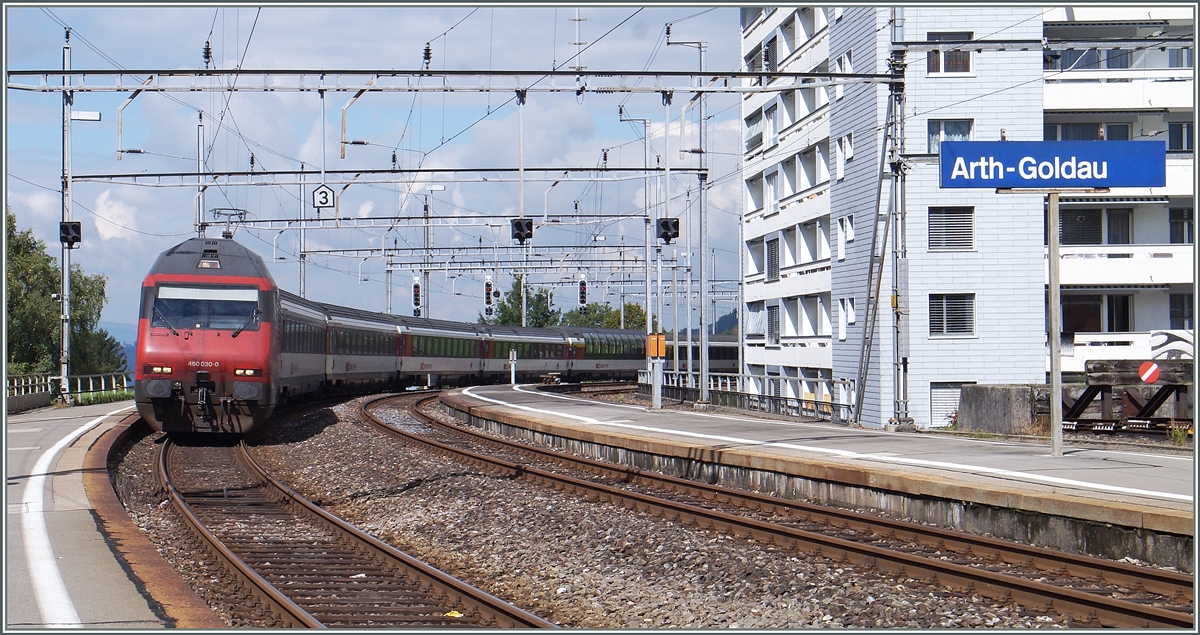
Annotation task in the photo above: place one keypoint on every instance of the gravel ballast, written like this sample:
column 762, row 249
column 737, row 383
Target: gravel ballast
column 588, row 564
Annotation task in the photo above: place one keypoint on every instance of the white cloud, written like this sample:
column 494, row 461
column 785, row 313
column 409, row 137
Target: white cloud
column 364, row 210
column 42, row 204
column 115, row 218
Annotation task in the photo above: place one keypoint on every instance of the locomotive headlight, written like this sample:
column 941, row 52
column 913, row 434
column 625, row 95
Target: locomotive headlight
column 248, row 372
column 158, row 388
column 159, row 370
column 246, row 390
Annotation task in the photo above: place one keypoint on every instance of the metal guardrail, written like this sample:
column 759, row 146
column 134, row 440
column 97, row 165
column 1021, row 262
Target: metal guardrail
column 19, row 385
column 786, row 406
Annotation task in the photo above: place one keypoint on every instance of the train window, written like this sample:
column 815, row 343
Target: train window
column 205, row 308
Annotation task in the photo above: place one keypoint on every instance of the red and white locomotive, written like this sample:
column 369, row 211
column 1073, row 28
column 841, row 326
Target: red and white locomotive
column 220, row 345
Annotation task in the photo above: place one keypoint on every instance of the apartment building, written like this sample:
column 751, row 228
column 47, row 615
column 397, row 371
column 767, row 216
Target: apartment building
column 973, row 273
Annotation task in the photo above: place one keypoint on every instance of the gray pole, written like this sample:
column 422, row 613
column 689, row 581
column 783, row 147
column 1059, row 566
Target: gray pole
column 199, row 177
column 1055, row 335
column 649, row 234
column 703, row 241
column 302, row 260
column 426, row 310
column 687, row 292
column 675, row 317
column 521, row 200
column 387, row 265
column 65, row 261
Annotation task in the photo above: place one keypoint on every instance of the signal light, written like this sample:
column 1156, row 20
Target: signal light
column 70, row 233
column 487, row 292
column 582, row 292
column 416, row 297
column 522, row 229
column 668, row 229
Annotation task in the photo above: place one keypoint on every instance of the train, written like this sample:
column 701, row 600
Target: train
column 220, row 345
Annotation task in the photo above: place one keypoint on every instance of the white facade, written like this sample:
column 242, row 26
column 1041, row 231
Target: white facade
column 975, row 297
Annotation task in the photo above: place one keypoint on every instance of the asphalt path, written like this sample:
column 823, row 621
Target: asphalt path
column 60, row 571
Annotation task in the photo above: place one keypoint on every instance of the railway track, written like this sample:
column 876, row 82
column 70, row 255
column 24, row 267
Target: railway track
column 303, row 567
column 1091, row 590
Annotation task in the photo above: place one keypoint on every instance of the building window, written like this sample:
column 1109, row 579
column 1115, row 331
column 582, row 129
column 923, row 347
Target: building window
column 952, row 314
column 843, row 318
column 771, row 126
column 773, row 324
column 951, row 228
column 754, row 131
column 1181, row 226
column 845, row 233
column 847, row 307
column 947, row 130
column 1081, row 313
column 1179, row 58
column 1179, row 136
column 1076, row 59
column 771, row 193
column 844, row 150
column 951, row 60
column 1116, row 58
column 844, row 65
column 1181, row 311
column 1120, row 226
column 1116, row 132
column 1120, row 313
column 1080, row 227
column 771, row 56
column 772, row 260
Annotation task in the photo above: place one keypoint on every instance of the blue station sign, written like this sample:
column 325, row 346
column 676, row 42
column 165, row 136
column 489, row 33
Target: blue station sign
column 1052, row 164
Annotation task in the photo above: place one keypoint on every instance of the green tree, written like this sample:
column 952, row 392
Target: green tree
column 539, row 307
column 604, row 316
column 32, row 315
column 34, row 324
column 597, row 316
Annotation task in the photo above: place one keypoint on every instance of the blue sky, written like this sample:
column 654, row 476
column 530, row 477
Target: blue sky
column 125, row 227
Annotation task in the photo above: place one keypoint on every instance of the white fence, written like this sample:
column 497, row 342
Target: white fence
column 24, row 392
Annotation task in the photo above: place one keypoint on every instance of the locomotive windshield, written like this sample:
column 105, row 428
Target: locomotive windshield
column 206, row 308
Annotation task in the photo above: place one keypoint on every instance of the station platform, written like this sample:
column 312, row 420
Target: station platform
column 1104, row 502
column 74, row 558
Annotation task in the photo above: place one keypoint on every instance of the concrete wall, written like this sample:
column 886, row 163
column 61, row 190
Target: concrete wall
column 21, row 403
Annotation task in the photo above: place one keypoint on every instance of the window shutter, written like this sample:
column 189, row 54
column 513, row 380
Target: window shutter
column 1080, row 227
column 951, row 228
column 952, row 314
column 773, row 260
column 943, row 402
column 773, row 324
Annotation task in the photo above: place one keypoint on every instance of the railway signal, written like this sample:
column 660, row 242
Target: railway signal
column 487, row 291
column 416, row 297
column 668, row 229
column 70, row 233
column 582, row 294
column 522, row 229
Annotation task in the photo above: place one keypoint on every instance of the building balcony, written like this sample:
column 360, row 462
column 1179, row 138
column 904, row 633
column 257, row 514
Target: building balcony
column 1124, row 265
column 812, row 351
column 1144, row 346
column 798, row 280
column 1137, row 89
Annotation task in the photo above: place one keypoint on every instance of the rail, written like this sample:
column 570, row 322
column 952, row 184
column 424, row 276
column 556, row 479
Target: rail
column 954, row 562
